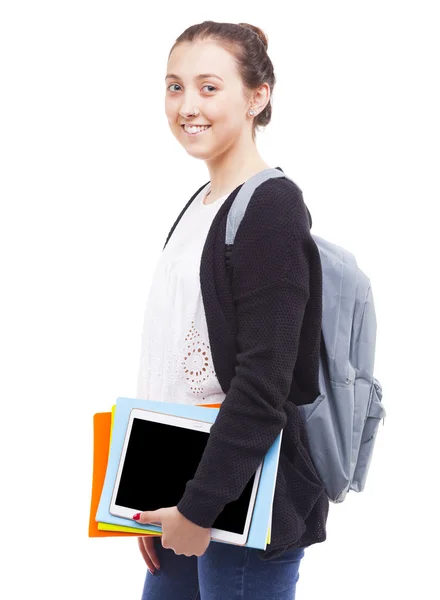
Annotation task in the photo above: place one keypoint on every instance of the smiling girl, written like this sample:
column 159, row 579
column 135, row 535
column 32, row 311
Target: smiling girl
column 247, row 342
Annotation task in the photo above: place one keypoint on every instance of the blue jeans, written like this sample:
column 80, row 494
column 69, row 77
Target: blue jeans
column 223, row 572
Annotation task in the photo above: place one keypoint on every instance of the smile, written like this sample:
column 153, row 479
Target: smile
column 195, row 133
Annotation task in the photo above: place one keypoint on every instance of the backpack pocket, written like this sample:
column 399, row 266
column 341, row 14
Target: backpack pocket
column 375, row 413
column 329, row 426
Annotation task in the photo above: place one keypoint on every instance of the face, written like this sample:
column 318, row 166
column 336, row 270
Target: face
column 219, row 101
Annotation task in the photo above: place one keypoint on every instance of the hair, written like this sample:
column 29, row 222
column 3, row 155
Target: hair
column 248, row 44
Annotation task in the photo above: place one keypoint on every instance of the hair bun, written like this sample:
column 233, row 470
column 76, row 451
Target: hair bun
column 258, row 31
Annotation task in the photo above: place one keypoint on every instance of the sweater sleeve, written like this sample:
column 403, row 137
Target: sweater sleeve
column 270, row 283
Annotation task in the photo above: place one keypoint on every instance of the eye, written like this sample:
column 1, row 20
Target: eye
column 210, row 86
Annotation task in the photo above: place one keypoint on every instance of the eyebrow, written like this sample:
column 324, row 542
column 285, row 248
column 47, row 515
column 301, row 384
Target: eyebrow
column 201, row 76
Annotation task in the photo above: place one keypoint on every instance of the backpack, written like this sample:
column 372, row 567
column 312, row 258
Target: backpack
column 343, row 420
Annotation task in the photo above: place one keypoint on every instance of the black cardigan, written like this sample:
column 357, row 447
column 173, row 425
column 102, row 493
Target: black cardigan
column 264, row 325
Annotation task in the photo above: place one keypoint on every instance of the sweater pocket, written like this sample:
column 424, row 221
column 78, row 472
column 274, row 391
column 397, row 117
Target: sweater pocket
column 303, row 485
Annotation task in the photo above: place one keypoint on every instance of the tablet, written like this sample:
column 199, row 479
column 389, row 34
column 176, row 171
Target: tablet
column 160, row 454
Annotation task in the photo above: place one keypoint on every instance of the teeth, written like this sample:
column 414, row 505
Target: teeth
column 193, row 129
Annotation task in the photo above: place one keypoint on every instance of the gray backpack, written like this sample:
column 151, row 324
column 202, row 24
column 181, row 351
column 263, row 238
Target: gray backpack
column 343, row 421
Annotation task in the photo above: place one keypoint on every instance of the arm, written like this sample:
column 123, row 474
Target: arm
column 270, row 288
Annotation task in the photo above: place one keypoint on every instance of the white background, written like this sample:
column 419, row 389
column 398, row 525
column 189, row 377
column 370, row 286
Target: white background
column 91, row 182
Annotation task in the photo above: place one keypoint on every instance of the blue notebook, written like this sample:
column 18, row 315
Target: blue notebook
column 262, row 514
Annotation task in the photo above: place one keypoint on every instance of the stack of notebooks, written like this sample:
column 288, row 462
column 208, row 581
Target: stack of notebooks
column 110, row 445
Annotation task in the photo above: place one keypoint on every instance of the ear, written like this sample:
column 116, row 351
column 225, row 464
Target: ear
column 261, row 98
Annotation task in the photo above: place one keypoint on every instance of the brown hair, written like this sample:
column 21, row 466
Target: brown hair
column 248, row 44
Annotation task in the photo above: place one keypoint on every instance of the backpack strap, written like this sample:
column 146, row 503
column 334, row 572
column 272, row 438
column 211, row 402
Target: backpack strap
column 238, row 207
column 241, row 201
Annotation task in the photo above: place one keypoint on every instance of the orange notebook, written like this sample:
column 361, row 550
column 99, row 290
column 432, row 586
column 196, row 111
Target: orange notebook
column 101, row 447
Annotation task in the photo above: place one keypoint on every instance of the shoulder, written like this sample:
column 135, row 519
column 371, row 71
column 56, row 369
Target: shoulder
column 276, row 208
column 278, row 192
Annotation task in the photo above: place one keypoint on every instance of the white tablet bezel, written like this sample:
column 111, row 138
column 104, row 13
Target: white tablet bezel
column 188, row 423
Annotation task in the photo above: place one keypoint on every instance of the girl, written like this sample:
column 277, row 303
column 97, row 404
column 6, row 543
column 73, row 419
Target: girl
column 242, row 333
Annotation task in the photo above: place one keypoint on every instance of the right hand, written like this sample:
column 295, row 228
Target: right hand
column 148, row 551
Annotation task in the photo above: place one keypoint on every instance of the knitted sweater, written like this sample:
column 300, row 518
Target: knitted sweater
column 263, row 311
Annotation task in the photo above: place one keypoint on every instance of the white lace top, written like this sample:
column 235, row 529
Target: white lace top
column 176, row 363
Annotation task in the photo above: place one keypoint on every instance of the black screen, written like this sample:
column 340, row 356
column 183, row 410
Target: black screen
column 160, row 459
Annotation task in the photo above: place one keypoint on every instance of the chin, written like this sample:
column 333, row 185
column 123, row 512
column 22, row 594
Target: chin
column 202, row 155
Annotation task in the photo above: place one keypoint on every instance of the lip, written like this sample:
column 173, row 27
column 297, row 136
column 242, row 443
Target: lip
column 195, row 134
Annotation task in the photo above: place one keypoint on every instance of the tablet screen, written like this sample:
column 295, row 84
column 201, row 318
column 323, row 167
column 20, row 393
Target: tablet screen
column 159, row 460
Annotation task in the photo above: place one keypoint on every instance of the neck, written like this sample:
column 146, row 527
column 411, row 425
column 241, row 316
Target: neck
column 230, row 169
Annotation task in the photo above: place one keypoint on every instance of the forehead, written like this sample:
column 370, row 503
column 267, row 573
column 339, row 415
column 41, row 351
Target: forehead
column 188, row 59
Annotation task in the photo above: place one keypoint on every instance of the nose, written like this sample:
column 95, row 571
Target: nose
column 188, row 107
column 188, row 113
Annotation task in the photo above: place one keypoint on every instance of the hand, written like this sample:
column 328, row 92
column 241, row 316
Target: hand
column 178, row 533
column 148, row 551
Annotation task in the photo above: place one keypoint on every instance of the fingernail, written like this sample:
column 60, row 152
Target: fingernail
column 152, row 572
column 137, row 516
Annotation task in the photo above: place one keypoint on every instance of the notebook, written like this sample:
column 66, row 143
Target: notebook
column 258, row 534
column 102, row 425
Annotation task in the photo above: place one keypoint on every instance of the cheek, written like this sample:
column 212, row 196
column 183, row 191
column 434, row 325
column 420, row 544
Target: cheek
column 171, row 109
column 229, row 114
column 227, row 126
column 170, row 112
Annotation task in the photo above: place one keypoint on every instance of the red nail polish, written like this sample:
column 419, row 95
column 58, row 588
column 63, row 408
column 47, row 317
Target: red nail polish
column 137, row 516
